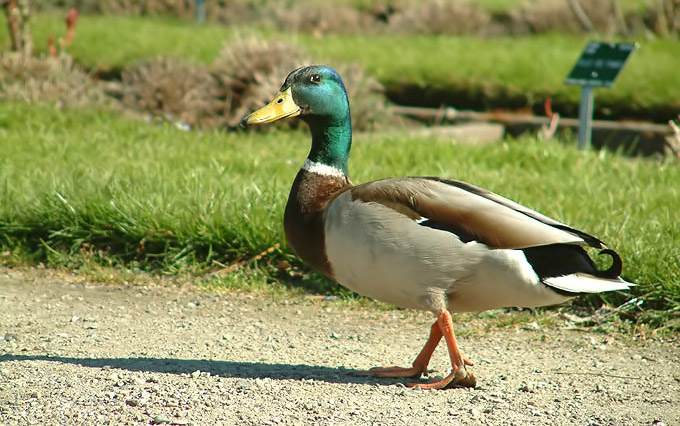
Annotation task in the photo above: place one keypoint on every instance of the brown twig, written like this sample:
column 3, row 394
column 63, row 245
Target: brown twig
column 583, row 373
column 241, row 263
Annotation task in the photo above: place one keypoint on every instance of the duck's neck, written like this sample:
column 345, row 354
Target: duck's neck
column 331, row 142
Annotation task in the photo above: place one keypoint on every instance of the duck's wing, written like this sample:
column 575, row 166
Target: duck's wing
column 470, row 212
column 396, row 239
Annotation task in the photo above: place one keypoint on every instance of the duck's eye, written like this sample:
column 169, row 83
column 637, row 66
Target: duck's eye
column 315, row 78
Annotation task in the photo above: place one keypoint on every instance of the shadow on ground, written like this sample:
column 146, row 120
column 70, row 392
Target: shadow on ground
column 246, row 370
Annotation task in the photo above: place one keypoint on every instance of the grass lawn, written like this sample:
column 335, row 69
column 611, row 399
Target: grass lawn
column 530, row 68
column 152, row 196
column 527, row 69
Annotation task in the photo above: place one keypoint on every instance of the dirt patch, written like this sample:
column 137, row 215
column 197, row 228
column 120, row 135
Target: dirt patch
column 83, row 353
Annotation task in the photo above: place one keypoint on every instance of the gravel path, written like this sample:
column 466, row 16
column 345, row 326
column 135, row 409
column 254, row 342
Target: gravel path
column 94, row 354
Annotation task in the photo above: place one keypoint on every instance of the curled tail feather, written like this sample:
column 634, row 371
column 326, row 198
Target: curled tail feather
column 614, row 271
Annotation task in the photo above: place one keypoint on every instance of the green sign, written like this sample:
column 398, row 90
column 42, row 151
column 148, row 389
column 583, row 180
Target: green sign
column 599, row 64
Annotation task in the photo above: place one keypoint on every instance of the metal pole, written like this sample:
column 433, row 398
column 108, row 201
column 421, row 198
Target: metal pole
column 200, row 11
column 585, row 117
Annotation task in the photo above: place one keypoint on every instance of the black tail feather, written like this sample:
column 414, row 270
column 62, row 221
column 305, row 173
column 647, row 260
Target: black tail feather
column 614, row 271
column 554, row 260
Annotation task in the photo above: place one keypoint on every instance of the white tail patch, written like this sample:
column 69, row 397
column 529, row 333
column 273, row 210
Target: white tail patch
column 421, row 220
column 582, row 283
column 322, row 169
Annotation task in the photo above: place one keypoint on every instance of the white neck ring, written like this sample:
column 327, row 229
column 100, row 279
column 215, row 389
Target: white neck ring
column 322, row 169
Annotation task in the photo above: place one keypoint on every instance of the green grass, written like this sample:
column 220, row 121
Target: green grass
column 116, row 41
column 526, row 69
column 530, row 68
column 156, row 198
column 140, row 191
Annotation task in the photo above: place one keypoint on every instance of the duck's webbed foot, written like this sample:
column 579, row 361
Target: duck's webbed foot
column 394, row 371
column 459, row 376
column 419, row 365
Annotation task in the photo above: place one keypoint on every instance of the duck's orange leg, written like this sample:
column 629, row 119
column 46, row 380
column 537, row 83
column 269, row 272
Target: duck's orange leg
column 459, row 375
column 419, row 365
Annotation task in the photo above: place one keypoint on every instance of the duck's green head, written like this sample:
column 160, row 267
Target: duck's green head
column 317, row 95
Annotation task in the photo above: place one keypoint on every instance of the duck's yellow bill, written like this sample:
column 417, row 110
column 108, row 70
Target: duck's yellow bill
column 282, row 106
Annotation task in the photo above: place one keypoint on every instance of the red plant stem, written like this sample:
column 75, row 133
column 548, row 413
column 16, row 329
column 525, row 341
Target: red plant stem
column 71, row 20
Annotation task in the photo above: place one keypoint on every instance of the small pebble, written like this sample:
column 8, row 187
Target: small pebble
column 476, row 412
column 11, row 337
column 531, row 326
column 160, row 419
column 524, row 387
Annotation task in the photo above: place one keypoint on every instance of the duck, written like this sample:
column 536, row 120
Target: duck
column 424, row 243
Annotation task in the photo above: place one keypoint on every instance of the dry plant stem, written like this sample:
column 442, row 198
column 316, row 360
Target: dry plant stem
column 620, row 17
column 17, row 15
column 13, row 17
column 581, row 15
column 548, row 132
column 674, row 143
column 672, row 9
column 25, row 30
column 590, row 374
column 241, row 263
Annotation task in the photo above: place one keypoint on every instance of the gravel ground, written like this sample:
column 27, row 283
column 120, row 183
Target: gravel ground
column 75, row 353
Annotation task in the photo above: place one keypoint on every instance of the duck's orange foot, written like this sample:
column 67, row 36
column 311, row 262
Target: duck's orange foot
column 459, row 378
column 412, row 372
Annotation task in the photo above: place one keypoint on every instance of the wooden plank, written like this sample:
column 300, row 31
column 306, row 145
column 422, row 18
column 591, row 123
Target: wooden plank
column 507, row 118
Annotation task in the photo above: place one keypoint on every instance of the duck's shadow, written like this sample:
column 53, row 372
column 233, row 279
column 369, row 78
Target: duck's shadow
column 229, row 369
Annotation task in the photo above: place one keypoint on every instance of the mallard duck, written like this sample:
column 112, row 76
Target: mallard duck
column 425, row 243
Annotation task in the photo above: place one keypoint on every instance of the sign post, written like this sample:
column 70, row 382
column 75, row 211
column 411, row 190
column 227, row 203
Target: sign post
column 585, row 117
column 200, row 11
column 598, row 66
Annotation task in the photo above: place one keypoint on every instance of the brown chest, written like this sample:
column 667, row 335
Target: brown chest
column 303, row 218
